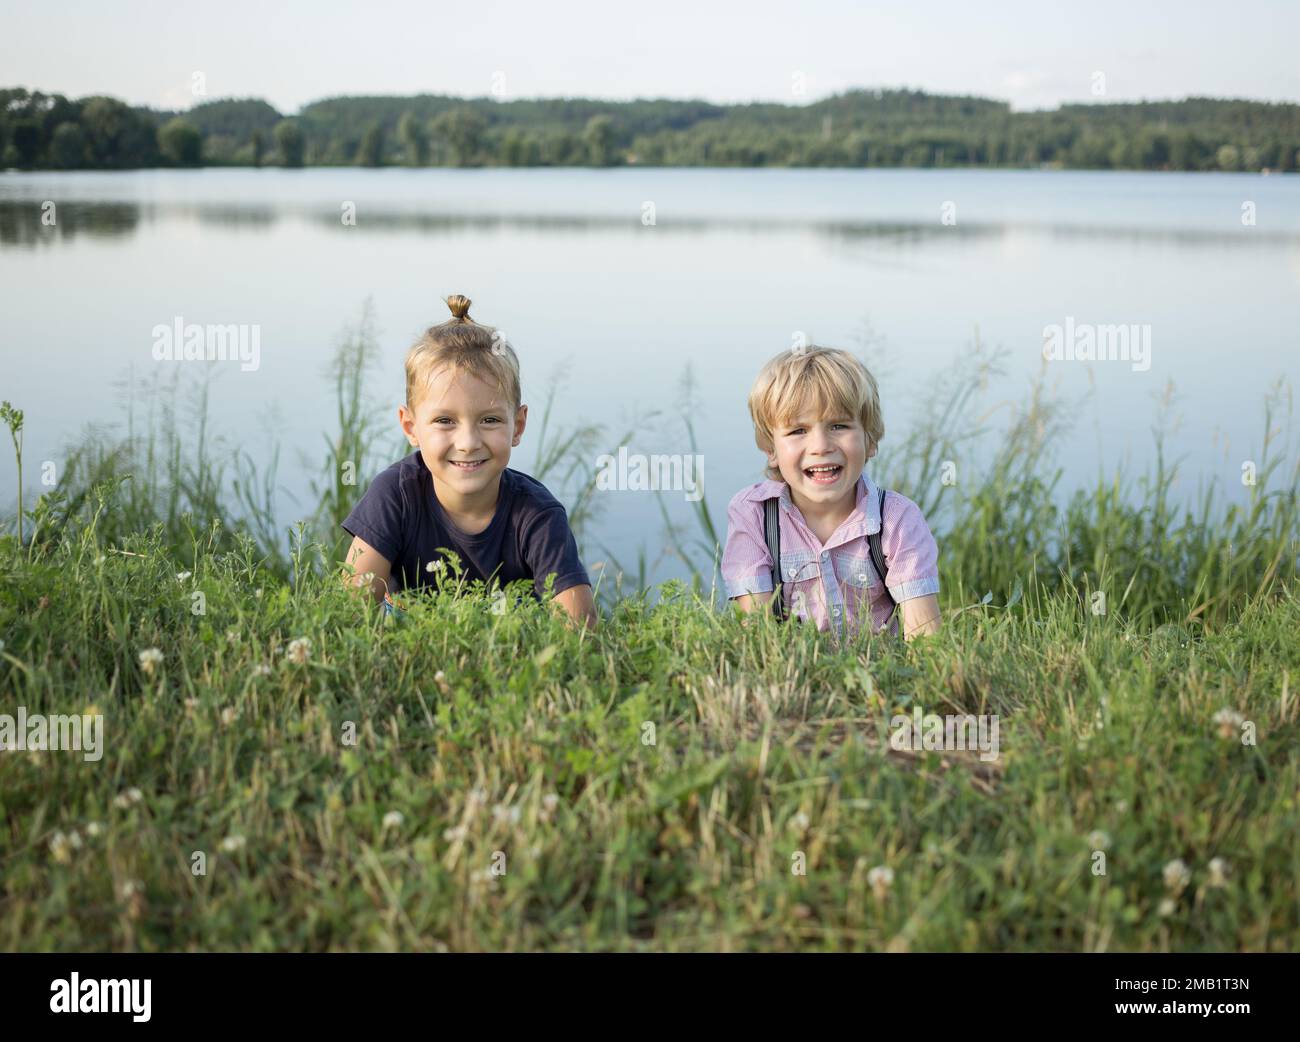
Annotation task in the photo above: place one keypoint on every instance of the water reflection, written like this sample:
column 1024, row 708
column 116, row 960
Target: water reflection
column 23, row 224
column 28, row 224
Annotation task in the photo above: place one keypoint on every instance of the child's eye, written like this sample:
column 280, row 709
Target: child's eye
column 797, row 430
column 492, row 419
column 444, row 419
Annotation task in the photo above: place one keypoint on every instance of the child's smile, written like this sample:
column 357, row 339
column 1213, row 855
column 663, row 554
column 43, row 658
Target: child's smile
column 824, row 473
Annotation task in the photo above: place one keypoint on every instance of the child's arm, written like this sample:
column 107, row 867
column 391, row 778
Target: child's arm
column 368, row 567
column 746, row 562
column 752, row 602
column 921, row 616
column 913, row 564
column 578, row 602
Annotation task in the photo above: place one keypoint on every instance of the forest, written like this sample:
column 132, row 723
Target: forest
column 859, row 128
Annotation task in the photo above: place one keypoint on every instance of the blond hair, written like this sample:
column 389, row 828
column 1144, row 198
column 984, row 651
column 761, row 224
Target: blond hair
column 825, row 380
column 462, row 345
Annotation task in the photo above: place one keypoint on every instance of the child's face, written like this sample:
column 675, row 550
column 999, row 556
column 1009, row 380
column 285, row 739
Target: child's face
column 464, row 429
column 820, row 458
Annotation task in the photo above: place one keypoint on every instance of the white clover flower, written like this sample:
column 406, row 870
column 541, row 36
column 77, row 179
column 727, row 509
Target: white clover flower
column 1217, row 872
column 550, row 801
column 393, row 819
column 93, row 829
column 1177, row 875
column 258, row 593
column 1229, row 722
column 455, row 834
column 880, row 879
column 182, row 576
column 74, row 839
column 1098, row 840
column 232, row 844
column 100, row 559
column 191, row 704
column 128, row 798
column 1167, row 907
column 129, row 889
column 436, row 566
column 229, row 715
column 800, row 822
column 299, row 650
column 59, row 848
column 477, row 797
column 232, row 635
column 149, row 659
column 440, row 678
column 501, row 812
column 261, row 670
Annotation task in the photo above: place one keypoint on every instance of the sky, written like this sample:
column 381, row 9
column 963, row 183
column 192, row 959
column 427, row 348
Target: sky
column 1032, row 53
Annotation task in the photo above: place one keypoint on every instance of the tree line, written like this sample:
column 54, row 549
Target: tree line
column 861, row 128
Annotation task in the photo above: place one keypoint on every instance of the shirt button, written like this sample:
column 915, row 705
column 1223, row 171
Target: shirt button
column 836, row 610
column 862, row 577
column 825, row 556
column 793, row 573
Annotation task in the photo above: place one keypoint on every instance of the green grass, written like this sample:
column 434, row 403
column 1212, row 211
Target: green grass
column 506, row 738
column 683, row 844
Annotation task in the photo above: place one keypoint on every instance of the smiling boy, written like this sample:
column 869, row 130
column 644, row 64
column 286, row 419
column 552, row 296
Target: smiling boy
column 463, row 414
column 817, row 418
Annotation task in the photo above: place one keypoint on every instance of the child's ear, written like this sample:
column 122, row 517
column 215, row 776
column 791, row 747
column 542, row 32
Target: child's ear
column 521, row 421
column 871, row 448
column 406, row 420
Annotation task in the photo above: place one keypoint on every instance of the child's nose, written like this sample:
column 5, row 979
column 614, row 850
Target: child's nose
column 819, row 440
column 468, row 437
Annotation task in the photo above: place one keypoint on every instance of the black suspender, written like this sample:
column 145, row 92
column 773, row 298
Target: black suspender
column 878, row 557
column 772, row 533
column 772, row 536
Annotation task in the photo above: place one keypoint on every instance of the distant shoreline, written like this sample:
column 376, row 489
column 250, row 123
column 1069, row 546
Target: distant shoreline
column 860, row 129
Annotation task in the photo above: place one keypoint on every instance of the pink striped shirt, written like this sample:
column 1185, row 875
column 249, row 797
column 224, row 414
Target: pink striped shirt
column 832, row 583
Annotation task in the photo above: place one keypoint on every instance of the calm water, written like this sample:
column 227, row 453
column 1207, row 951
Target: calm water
column 734, row 264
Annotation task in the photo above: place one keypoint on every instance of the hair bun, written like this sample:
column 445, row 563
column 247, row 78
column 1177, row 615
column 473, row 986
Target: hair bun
column 459, row 307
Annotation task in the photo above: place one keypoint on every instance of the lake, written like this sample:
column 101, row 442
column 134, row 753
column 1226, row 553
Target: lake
column 628, row 276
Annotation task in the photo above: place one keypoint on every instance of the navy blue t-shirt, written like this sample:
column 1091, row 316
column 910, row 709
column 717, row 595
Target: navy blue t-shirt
column 529, row 536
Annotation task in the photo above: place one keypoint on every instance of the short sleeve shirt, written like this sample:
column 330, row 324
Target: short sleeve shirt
column 528, row 538
column 834, row 585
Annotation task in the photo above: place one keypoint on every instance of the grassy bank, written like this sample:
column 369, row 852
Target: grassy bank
column 471, row 778
column 508, row 741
